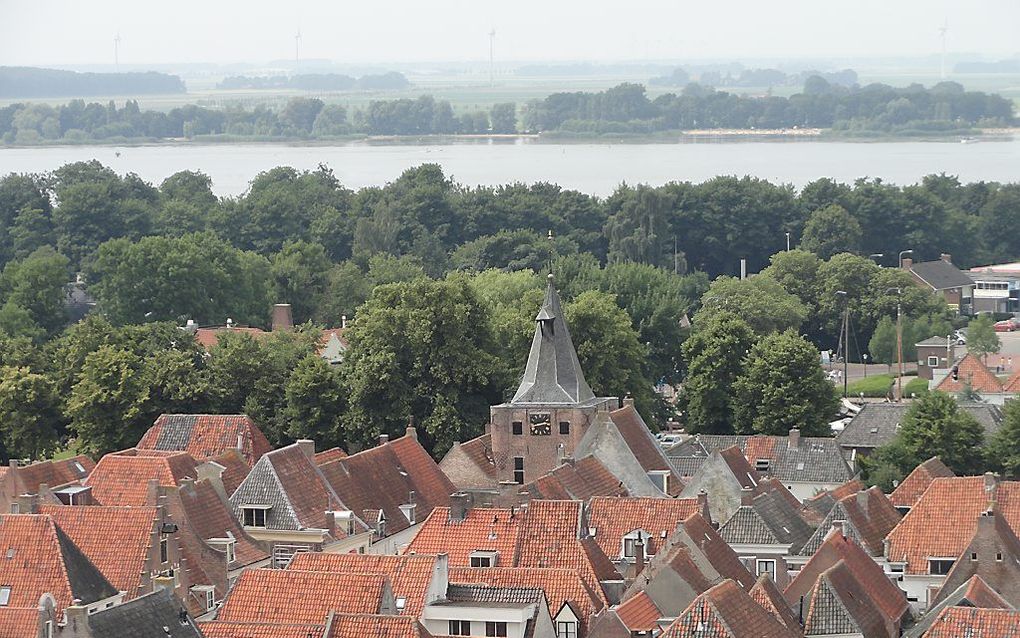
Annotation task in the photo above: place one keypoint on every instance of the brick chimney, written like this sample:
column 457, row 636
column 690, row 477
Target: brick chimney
column 384, row 438
column 946, row 257
column 639, row 555
column 794, row 441
column 460, row 503
column 307, row 446
column 76, row 617
column 703, row 505
column 746, row 496
column 411, row 432
column 628, row 401
column 283, row 318
column 908, row 263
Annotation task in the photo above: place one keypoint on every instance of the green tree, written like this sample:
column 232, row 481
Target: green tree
column 504, row 117
column 882, row 346
column 422, row 349
column 1004, row 448
column 830, row 231
column 301, row 272
column 36, row 283
column 107, row 405
column 17, row 322
column 178, row 382
column 782, row 387
column 714, row 356
column 316, row 402
column 760, row 301
column 29, row 414
column 981, row 337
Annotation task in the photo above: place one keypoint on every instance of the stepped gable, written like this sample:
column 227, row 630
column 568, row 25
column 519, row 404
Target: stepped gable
column 914, row 485
column 116, row 540
column 122, row 478
column 553, row 374
column 409, row 575
column 206, row 436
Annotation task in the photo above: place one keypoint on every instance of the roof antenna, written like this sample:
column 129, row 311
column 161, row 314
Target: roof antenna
column 552, row 252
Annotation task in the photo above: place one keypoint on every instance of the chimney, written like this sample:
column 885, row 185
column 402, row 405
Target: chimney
column 330, row 521
column 28, row 504
column 991, row 480
column 343, row 322
column 230, row 322
column 384, row 438
column 703, row 505
column 411, row 432
column 743, row 268
column 283, row 318
column 746, row 496
column 908, row 262
column 191, row 326
column 628, row 401
column 639, row 555
column 152, row 493
column 946, row 257
column 794, row 441
column 459, row 505
column 76, row 616
column 163, row 582
column 307, row 446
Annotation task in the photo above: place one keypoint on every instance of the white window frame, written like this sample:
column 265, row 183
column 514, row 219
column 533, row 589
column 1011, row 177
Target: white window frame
column 254, row 518
column 765, row 561
column 495, row 626
column 461, row 626
column 566, row 629
column 480, row 557
column 660, row 478
column 933, row 361
column 629, row 541
column 5, row 596
column 944, row 559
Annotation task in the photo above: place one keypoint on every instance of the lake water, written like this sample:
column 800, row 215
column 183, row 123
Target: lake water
column 588, row 167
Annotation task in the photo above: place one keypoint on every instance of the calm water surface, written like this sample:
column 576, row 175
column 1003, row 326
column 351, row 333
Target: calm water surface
column 588, row 167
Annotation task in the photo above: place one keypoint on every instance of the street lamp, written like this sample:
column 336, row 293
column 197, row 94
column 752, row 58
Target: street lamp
column 787, row 242
column 899, row 339
column 843, row 338
column 909, row 251
column 865, row 355
column 876, row 256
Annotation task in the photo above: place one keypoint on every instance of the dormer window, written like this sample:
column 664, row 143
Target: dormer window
column 206, row 594
column 761, row 465
column 255, row 515
column 400, row 603
column 940, row 566
column 660, row 479
column 630, row 544
column 345, row 521
column 484, row 559
column 408, row 512
column 78, row 466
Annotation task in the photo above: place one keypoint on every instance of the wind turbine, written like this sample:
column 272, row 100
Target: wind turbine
column 116, row 51
column 297, row 46
column 942, row 34
column 492, row 50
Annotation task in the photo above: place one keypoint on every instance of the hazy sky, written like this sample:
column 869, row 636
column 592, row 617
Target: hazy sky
column 68, row 32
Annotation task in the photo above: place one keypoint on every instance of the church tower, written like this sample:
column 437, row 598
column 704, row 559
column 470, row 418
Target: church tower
column 553, row 406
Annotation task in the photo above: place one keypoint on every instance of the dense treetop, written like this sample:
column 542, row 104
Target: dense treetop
column 32, row 82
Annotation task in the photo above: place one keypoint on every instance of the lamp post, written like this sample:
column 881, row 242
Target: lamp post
column 865, row 355
column 843, row 337
column 787, row 242
column 876, row 256
column 909, row 251
column 899, row 341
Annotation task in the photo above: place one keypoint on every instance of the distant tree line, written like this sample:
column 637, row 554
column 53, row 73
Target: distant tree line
column 875, row 107
column 390, row 81
column 31, row 82
column 301, row 117
column 757, row 78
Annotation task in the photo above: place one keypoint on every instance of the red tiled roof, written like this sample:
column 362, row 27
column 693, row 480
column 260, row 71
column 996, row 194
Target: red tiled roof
column 639, row 613
column 912, row 487
column 942, row 522
column 955, row 622
column 376, row 626
column 479, row 450
column 224, row 629
column 483, row 529
column 766, row 594
column 613, row 518
column 971, row 371
column 560, row 586
column 235, row 469
column 19, row 622
column 838, row 587
column 697, row 530
column 873, row 516
column 640, row 441
column 383, row 478
column 206, row 436
column 116, row 539
column 741, row 469
column 727, row 611
column 123, row 478
column 579, row 480
column 836, row 548
column 209, row 516
column 816, row 508
column 55, row 473
column 296, row 597
column 1012, row 384
column 209, row 337
column 332, row 454
column 409, row 575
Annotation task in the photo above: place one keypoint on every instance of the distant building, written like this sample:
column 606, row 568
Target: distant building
column 934, row 353
column 996, row 287
column 942, row 277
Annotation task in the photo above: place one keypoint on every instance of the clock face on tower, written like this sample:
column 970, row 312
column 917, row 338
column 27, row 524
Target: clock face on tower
column 540, row 424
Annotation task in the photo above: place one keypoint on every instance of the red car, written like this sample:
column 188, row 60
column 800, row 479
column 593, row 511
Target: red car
column 1005, row 326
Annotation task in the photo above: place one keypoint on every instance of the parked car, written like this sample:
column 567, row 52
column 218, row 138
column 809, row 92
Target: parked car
column 1007, row 325
column 961, row 338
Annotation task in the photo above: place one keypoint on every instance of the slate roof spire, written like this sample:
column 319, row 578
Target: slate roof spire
column 553, row 374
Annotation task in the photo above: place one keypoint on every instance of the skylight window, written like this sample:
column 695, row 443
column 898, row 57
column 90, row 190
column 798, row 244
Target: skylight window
column 78, row 466
column 5, row 596
column 401, row 603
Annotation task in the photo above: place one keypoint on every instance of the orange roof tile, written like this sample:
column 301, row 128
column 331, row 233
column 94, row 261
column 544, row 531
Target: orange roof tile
column 579, row 480
column 942, row 522
column 839, row 596
column 639, row 613
column 123, row 478
column 225, row 629
column 767, row 594
column 483, row 529
column 285, row 596
column 55, row 473
column 116, row 539
column 970, row 371
column 727, row 611
column 209, row 337
column 1012, row 384
column 981, row 595
column 912, row 487
column 235, row 469
column 332, row 454
column 971, row 621
column 409, row 575
column 206, row 436
column 209, row 516
column 613, row 518
column 19, row 622
column 560, row 586
column 376, row 626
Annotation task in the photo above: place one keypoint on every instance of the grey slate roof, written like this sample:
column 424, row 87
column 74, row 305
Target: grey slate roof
column 747, row 526
column 769, row 520
column 155, row 615
column 499, row 595
column 877, row 423
column 815, row 459
column 933, row 341
column 941, row 275
column 553, row 374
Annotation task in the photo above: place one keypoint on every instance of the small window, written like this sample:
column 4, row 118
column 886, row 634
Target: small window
column 933, row 362
column 210, row 599
column 998, row 557
column 495, row 629
column 401, row 602
column 519, row 470
column 896, row 568
column 973, row 555
column 5, row 596
column 230, row 552
column 164, row 551
column 564, row 427
column 566, row 629
column 762, row 465
column 940, row 566
column 254, row 517
column 460, row 627
column 78, row 466
column 766, row 566
column 481, row 561
column 630, row 545
column 15, row 508
column 518, row 427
